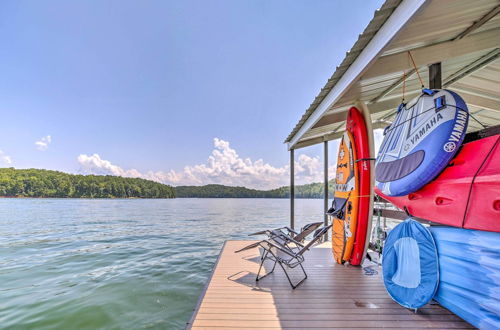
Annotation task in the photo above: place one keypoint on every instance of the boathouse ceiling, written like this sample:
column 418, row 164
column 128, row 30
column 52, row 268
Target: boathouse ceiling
column 462, row 35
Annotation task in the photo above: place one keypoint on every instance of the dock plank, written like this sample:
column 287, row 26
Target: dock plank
column 333, row 296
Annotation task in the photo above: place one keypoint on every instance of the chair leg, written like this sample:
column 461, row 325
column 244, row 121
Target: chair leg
column 294, row 286
column 276, row 260
column 263, row 259
column 305, row 276
column 264, row 254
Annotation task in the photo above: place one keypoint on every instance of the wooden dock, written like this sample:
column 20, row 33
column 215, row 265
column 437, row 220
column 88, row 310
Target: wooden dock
column 333, row 296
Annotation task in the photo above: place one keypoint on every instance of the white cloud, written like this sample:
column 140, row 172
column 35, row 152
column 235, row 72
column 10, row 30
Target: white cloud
column 224, row 166
column 5, row 159
column 43, row 143
column 94, row 164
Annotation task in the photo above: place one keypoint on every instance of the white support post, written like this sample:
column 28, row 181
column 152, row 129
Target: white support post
column 325, row 206
column 292, row 189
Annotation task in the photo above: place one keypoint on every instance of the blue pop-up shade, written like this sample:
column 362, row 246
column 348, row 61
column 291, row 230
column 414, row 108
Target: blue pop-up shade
column 410, row 264
column 469, row 286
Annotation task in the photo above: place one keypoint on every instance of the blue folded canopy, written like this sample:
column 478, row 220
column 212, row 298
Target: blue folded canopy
column 469, row 285
column 410, row 264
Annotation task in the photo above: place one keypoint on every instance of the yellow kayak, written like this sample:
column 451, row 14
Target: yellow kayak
column 345, row 200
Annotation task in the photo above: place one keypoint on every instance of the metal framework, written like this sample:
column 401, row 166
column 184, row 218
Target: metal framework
column 292, row 189
column 457, row 49
column 325, row 186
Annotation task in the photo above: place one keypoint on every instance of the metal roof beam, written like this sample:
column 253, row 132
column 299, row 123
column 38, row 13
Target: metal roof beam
column 394, row 23
column 337, row 117
column 473, row 66
column 435, row 53
column 393, row 86
column 320, row 139
column 479, row 101
column 477, row 24
column 331, row 118
column 473, row 100
column 332, row 136
column 377, row 107
column 471, row 28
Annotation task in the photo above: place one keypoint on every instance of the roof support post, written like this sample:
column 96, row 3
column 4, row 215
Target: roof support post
column 292, row 189
column 325, row 205
column 435, row 81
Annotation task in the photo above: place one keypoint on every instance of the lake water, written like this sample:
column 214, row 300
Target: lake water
column 120, row 264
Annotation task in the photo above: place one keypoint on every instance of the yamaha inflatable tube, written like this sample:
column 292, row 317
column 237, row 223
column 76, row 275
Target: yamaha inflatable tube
column 421, row 141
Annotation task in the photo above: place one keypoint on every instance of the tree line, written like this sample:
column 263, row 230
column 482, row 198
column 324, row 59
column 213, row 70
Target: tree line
column 54, row 184
column 312, row 190
column 46, row 183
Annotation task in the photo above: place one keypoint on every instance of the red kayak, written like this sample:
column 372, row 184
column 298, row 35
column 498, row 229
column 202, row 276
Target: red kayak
column 466, row 194
column 357, row 127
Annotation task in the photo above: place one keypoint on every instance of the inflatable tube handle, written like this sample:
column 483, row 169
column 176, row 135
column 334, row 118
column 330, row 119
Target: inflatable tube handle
column 428, row 91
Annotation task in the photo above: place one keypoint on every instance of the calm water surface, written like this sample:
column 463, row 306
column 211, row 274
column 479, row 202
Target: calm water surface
column 120, row 264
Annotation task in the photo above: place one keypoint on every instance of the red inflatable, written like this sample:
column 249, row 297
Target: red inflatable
column 357, row 127
column 466, row 194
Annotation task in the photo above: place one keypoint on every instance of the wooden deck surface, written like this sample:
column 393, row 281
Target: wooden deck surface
column 333, row 296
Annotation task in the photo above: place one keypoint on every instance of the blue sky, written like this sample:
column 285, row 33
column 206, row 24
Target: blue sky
column 152, row 88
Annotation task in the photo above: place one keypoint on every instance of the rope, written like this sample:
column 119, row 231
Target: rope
column 364, row 159
column 404, row 86
column 404, row 121
column 361, row 196
column 339, row 240
column 480, row 123
column 369, row 271
column 475, row 175
column 404, row 81
column 356, row 196
column 415, row 67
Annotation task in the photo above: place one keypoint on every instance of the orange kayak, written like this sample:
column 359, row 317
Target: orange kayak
column 345, row 200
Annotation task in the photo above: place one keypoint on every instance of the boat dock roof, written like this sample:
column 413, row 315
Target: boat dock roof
column 333, row 296
column 461, row 37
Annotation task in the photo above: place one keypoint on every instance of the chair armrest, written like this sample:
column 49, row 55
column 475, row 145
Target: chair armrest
column 281, row 248
column 285, row 237
column 262, row 232
column 248, row 247
column 295, row 242
column 291, row 230
column 284, row 228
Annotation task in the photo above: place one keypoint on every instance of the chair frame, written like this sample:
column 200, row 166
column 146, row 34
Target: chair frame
column 269, row 255
column 294, row 258
column 289, row 237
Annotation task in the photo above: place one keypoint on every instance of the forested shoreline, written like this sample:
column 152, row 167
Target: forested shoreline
column 313, row 190
column 54, row 184
column 38, row 183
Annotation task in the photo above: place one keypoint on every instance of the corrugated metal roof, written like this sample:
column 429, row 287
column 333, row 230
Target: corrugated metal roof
column 364, row 38
column 470, row 65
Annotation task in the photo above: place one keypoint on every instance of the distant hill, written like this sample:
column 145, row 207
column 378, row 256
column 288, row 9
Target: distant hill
column 54, row 184
column 313, row 190
column 45, row 183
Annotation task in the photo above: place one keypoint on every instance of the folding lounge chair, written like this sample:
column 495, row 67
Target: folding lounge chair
column 289, row 237
column 304, row 232
column 284, row 256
